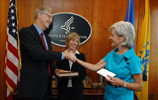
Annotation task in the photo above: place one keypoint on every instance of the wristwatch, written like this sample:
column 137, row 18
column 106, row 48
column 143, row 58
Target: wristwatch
column 125, row 84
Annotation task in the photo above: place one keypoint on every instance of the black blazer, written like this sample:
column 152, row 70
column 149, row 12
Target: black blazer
column 35, row 79
column 76, row 81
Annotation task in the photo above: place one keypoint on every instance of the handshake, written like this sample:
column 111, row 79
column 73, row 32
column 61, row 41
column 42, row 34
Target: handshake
column 69, row 55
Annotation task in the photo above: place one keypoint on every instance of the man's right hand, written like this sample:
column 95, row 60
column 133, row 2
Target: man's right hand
column 69, row 55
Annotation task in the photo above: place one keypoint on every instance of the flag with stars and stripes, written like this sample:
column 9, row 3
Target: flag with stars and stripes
column 12, row 50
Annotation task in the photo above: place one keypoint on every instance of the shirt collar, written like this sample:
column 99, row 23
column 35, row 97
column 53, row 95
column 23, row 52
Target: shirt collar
column 76, row 52
column 129, row 54
column 38, row 29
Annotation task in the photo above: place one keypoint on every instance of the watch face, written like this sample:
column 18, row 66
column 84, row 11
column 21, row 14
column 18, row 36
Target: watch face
column 125, row 84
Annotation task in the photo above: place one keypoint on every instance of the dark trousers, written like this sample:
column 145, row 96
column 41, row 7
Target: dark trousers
column 70, row 94
column 47, row 96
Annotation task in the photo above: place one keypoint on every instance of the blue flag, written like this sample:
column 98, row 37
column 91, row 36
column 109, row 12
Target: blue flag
column 130, row 13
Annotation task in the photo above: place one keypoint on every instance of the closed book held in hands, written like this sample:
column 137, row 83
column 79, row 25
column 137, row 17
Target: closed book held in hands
column 64, row 74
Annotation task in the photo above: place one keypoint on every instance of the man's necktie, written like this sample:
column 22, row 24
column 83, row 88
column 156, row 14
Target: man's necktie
column 45, row 49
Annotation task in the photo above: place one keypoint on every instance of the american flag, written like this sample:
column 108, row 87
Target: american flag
column 12, row 51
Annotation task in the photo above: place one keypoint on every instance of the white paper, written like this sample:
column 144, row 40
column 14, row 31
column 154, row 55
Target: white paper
column 105, row 72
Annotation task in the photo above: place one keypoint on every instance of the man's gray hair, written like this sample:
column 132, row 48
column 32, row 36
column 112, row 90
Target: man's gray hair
column 42, row 9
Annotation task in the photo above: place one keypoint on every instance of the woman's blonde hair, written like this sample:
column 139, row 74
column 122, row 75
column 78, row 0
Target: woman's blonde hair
column 72, row 36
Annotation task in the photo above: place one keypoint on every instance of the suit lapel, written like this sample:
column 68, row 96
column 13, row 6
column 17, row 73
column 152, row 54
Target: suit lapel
column 39, row 37
column 66, row 64
column 74, row 64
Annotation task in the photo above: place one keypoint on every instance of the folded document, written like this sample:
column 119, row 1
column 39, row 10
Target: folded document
column 105, row 72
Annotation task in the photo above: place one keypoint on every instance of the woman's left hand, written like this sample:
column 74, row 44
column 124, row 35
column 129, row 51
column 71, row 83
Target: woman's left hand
column 115, row 81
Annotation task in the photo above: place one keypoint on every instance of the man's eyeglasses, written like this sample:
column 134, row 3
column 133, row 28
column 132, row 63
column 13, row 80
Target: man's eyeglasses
column 50, row 16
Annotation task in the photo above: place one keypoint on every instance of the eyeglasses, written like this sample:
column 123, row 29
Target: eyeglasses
column 50, row 16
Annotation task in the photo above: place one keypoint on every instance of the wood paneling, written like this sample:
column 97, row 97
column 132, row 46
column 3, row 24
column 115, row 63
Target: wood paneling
column 26, row 9
column 3, row 30
column 101, row 14
column 105, row 13
column 153, row 69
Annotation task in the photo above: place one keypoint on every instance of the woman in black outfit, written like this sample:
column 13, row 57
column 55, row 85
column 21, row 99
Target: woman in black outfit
column 71, row 88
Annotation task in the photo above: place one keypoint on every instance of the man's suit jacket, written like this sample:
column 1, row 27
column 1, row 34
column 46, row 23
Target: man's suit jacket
column 76, row 81
column 35, row 79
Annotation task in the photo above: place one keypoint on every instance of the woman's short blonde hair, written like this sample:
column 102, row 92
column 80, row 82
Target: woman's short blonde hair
column 72, row 36
column 126, row 29
column 42, row 9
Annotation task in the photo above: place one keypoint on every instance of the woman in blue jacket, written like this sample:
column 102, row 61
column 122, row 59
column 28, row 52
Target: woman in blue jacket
column 123, row 62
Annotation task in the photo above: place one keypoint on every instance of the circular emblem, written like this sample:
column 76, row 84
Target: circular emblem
column 65, row 23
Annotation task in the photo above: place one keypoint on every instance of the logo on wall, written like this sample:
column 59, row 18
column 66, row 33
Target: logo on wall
column 65, row 23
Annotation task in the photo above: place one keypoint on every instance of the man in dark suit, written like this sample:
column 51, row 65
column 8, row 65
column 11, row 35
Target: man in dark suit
column 38, row 58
